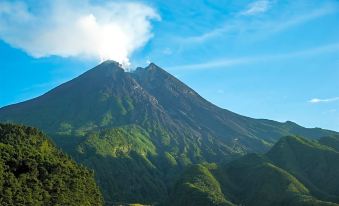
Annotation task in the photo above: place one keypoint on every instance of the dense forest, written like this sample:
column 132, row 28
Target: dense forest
column 296, row 171
column 33, row 172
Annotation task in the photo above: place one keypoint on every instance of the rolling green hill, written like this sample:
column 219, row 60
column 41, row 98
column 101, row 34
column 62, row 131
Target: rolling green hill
column 33, row 172
column 315, row 164
column 198, row 187
column 296, row 171
column 139, row 130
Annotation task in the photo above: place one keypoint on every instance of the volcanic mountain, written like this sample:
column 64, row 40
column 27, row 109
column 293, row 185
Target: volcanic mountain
column 139, row 129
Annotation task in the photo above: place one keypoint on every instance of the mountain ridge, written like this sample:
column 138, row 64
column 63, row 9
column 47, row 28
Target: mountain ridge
column 107, row 119
column 266, row 179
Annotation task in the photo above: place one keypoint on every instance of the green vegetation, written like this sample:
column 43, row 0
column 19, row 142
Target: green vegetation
column 119, row 141
column 331, row 141
column 33, row 172
column 296, row 171
column 124, row 160
column 314, row 164
column 198, row 187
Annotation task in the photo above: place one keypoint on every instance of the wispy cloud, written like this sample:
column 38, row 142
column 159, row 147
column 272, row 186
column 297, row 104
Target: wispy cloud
column 225, row 62
column 317, row 100
column 300, row 19
column 229, row 62
column 264, row 26
column 256, row 7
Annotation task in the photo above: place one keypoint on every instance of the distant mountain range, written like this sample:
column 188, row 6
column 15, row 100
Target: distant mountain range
column 140, row 130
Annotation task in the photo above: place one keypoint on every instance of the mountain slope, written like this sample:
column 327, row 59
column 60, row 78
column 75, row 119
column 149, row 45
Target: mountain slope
column 314, row 164
column 272, row 179
column 144, row 122
column 198, row 186
column 331, row 141
column 34, row 172
column 106, row 97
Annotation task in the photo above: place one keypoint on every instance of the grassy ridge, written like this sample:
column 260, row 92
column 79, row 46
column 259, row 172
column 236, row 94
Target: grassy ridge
column 296, row 171
column 199, row 187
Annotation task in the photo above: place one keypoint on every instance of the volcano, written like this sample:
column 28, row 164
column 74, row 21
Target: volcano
column 138, row 130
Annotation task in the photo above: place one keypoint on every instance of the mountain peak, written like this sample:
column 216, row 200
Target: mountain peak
column 110, row 65
column 112, row 62
column 108, row 68
column 152, row 66
column 153, row 71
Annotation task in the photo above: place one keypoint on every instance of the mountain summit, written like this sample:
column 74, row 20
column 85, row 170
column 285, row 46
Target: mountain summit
column 145, row 121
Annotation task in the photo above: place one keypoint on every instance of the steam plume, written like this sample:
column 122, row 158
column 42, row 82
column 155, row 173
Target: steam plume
column 111, row 30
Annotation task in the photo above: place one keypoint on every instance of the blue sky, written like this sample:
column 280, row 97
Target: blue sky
column 260, row 58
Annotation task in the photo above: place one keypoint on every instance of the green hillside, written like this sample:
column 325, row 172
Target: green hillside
column 296, row 171
column 198, row 187
column 33, row 172
column 315, row 164
column 331, row 141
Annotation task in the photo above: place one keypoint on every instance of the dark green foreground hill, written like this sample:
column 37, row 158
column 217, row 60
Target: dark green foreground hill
column 296, row 171
column 34, row 172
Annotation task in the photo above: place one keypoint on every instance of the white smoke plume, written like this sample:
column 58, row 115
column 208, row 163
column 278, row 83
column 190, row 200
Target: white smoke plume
column 110, row 30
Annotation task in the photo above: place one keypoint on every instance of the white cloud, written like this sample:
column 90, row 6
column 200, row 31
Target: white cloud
column 300, row 19
column 225, row 62
column 229, row 62
column 256, row 7
column 316, row 100
column 111, row 30
column 264, row 27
